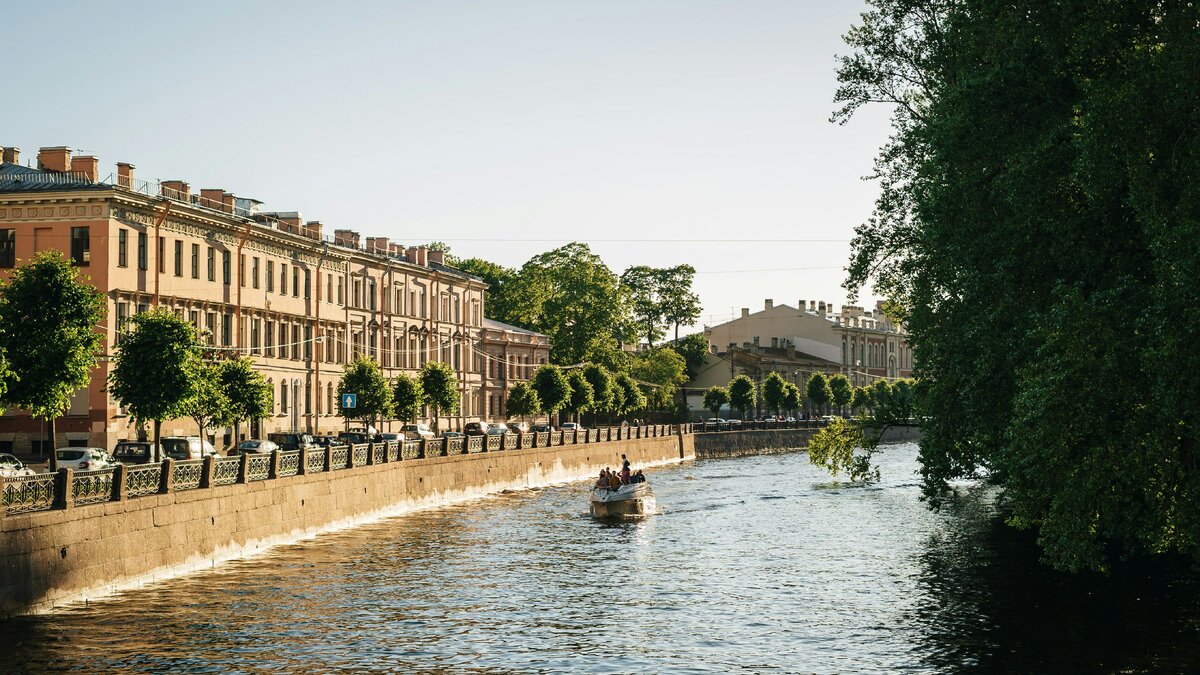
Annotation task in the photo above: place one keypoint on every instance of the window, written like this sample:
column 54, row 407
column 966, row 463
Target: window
column 308, row 398
column 296, row 341
column 81, row 246
column 212, row 264
column 142, row 263
column 255, row 325
column 341, row 300
column 295, row 282
column 195, row 261
column 242, row 270
column 227, row 330
column 357, row 293
column 143, row 307
column 122, row 248
column 282, row 279
column 328, row 287
column 307, row 284
column 210, row 326
column 269, row 334
column 225, row 269
column 178, row 258
column 270, row 276
column 254, row 272
column 371, row 290
column 122, row 317
column 283, row 397
column 283, row 340
column 308, row 342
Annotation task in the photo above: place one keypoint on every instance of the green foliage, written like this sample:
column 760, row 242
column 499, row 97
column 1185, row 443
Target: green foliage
column 665, row 371
column 553, row 388
column 498, row 297
column 1035, row 231
column 860, row 400
column 248, row 394
column 569, row 294
column 836, row 448
column 841, row 392
column 643, row 286
column 523, row 401
column 715, row 399
column 156, row 367
column 210, row 404
column 363, row 378
column 581, row 392
column 774, row 388
column 603, row 387
column 791, row 398
column 679, row 304
column 407, row 397
column 632, row 398
column 439, row 384
column 694, row 349
column 817, row 392
column 48, row 316
column 742, row 394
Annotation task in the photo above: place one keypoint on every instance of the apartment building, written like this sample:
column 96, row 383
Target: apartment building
column 266, row 284
column 511, row 354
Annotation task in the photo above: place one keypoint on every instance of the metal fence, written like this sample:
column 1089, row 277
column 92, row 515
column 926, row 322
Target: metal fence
column 91, row 487
column 226, row 471
column 29, row 493
column 144, row 479
column 187, row 474
column 289, row 463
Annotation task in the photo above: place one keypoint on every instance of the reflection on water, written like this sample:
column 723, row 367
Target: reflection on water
column 753, row 564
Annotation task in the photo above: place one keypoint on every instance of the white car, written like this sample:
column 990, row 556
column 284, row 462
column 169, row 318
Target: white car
column 571, row 426
column 183, row 448
column 417, row 431
column 255, row 446
column 84, row 459
column 11, row 467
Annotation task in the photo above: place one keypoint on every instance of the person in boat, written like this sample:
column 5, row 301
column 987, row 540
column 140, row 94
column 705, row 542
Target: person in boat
column 614, row 481
column 624, row 474
column 638, row 477
column 602, row 481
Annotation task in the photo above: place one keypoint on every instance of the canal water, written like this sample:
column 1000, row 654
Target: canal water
column 753, row 565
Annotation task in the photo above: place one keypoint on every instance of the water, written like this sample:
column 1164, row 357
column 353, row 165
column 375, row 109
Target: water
column 754, row 565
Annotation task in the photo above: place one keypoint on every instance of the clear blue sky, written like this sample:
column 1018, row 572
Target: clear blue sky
column 461, row 121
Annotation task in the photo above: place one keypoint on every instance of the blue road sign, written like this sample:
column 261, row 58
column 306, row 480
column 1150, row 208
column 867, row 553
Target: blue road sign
column 349, row 401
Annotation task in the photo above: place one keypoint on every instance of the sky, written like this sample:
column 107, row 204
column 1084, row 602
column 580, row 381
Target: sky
column 660, row 132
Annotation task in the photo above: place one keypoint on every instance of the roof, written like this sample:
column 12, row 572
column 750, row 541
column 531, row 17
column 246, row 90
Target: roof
column 500, row 325
column 17, row 178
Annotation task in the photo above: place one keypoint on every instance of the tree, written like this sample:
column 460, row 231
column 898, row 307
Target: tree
column 248, row 394
column 791, row 398
column 860, row 400
column 603, row 388
column 156, row 367
column 632, row 398
column 498, row 297
column 678, row 304
column 643, row 285
column 440, row 387
column 48, row 320
column 774, row 389
column 373, row 397
column 817, row 392
column 523, row 401
column 553, row 388
column 695, row 350
column 569, row 294
column 841, row 392
column 716, row 398
column 407, row 397
column 210, row 404
column 662, row 371
column 581, row 393
column 742, row 394
column 1035, row 200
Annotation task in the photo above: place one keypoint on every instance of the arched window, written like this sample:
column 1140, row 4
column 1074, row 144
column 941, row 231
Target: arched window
column 283, row 403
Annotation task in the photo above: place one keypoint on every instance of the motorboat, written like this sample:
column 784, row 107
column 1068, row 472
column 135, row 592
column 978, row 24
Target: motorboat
column 628, row 499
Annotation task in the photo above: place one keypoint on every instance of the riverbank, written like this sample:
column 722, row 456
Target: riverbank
column 776, row 441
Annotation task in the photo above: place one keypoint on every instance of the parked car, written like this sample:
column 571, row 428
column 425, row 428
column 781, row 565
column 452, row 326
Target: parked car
column 256, row 446
column 389, row 437
column 352, row 437
column 84, row 459
column 11, row 467
column 538, row 428
column 571, row 426
column 714, row 420
column 292, row 441
column 417, row 431
column 187, row 447
column 326, row 441
column 522, row 427
column 497, row 429
column 134, row 452
column 452, row 434
column 475, row 428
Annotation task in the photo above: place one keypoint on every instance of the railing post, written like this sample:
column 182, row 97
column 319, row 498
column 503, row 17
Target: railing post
column 244, row 469
column 370, row 452
column 350, row 456
column 302, row 468
column 329, row 458
column 273, row 467
column 207, row 471
column 166, row 482
column 422, row 448
column 118, row 483
column 63, row 499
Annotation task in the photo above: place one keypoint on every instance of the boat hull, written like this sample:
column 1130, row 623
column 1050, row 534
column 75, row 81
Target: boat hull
column 626, row 501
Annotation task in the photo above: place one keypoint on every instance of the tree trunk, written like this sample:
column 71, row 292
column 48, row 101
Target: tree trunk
column 157, row 449
column 53, row 462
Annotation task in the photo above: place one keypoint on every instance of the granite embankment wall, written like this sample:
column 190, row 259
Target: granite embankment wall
column 50, row 558
column 773, row 441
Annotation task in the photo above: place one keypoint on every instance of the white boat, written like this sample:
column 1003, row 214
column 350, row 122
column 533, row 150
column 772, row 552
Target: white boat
column 632, row 499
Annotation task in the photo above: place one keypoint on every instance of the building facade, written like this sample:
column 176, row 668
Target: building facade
column 511, row 354
column 264, row 284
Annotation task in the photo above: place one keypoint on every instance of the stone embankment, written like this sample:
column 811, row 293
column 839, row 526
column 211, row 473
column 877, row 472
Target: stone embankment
column 70, row 537
column 774, row 441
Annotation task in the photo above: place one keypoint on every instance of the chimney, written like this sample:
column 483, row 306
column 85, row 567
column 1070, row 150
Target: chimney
column 87, row 165
column 821, row 309
column 313, row 229
column 423, row 256
column 11, row 155
column 125, row 174
column 438, row 257
column 175, row 189
column 228, row 202
column 378, row 245
column 396, row 250
column 745, row 312
column 289, row 222
column 212, row 198
column 411, row 254
column 812, row 305
column 347, row 238
column 768, row 303
column 57, row 158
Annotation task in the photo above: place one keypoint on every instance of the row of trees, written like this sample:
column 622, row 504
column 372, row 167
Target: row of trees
column 589, row 389
column 435, row 386
column 820, row 394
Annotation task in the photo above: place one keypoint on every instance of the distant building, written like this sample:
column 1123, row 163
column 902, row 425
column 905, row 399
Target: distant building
column 511, row 354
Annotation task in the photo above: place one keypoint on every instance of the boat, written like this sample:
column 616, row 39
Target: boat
column 629, row 499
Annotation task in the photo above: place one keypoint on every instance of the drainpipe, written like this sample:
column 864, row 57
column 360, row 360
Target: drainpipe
column 158, row 243
column 238, row 263
column 317, row 343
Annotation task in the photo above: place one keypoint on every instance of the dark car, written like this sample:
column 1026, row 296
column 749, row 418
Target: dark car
column 292, row 441
column 326, row 441
column 352, row 437
column 475, row 428
column 539, row 428
column 133, row 452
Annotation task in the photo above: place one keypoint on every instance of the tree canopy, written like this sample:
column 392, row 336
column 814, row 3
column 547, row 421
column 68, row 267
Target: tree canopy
column 715, row 398
column 248, row 394
column 774, row 389
column 407, row 397
column 1034, row 231
column 664, row 370
column 439, row 385
column 553, row 388
column 817, row 392
column 581, row 398
column 523, row 401
column 742, row 394
column 373, row 397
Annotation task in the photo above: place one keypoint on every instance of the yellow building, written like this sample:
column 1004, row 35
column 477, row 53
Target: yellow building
column 269, row 285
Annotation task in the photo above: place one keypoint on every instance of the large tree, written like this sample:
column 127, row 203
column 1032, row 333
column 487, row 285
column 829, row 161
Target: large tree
column 553, row 388
column 603, row 389
column 210, row 404
column 248, row 394
column 48, row 320
column 644, row 287
column 817, row 393
column 373, row 397
column 841, row 392
column 407, row 397
column 582, row 394
column 156, row 368
column 1035, row 232
column 440, row 387
column 715, row 399
column 522, row 401
column 694, row 349
column 499, row 298
column 679, row 304
column 662, row 372
column 774, row 390
column 742, row 394
column 632, row 398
